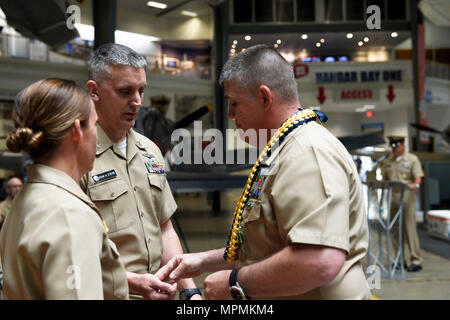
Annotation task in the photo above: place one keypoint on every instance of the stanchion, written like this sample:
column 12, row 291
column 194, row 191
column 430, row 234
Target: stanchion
column 385, row 227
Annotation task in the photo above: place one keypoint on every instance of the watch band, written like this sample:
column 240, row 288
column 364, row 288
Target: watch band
column 186, row 294
column 236, row 291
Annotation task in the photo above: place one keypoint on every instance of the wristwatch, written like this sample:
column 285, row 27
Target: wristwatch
column 236, row 291
column 186, row 294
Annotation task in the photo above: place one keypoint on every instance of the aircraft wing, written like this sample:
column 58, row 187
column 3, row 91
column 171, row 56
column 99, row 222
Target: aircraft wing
column 363, row 140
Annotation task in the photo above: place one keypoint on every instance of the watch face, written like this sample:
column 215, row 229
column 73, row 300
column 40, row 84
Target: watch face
column 183, row 295
column 237, row 293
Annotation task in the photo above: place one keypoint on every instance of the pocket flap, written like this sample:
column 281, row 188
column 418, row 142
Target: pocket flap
column 157, row 180
column 252, row 211
column 108, row 191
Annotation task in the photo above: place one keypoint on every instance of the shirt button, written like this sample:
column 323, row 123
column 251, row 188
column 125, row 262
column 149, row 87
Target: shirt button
column 142, row 214
column 112, row 194
column 135, row 188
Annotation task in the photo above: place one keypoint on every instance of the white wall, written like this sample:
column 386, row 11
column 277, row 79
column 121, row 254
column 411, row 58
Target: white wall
column 435, row 37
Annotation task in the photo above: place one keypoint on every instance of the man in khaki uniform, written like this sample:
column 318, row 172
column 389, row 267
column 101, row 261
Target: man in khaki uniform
column 13, row 187
column 128, row 182
column 405, row 167
column 303, row 226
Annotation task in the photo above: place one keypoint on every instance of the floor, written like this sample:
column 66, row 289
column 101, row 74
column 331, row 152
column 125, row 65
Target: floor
column 205, row 230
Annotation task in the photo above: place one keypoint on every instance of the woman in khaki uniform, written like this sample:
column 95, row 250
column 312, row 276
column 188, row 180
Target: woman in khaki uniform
column 54, row 244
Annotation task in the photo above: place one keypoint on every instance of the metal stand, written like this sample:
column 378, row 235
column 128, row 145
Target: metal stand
column 385, row 247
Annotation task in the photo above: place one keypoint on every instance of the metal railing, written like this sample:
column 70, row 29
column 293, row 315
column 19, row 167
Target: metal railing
column 77, row 52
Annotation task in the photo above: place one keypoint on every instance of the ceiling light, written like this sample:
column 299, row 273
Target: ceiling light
column 155, row 4
column 189, row 13
column 243, row 49
column 276, row 45
column 248, row 38
column 304, row 36
column 279, row 41
column 349, row 35
column 232, row 50
column 235, row 42
column 366, row 39
column 360, row 43
column 394, row 34
column 233, row 46
column 322, row 40
column 318, row 44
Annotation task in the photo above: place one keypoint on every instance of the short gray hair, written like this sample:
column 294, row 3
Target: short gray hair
column 113, row 54
column 262, row 65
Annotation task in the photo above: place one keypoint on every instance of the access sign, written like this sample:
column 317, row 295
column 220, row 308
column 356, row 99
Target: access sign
column 301, row 70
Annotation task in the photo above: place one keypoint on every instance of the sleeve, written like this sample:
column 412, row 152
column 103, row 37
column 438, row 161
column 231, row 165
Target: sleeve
column 70, row 255
column 168, row 204
column 167, row 201
column 311, row 199
column 417, row 171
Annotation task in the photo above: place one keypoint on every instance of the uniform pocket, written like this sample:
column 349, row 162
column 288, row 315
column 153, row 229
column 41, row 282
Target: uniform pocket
column 110, row 198
column 157, row 180
column 252, row 211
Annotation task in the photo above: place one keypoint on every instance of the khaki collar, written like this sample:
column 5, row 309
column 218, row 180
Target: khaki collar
column 39, row 173
column 104, row 143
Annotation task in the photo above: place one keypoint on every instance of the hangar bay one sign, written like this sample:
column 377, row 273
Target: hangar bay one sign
column 359, row 76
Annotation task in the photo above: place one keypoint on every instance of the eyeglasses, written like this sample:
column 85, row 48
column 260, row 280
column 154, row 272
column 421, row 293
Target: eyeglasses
column 14, row 186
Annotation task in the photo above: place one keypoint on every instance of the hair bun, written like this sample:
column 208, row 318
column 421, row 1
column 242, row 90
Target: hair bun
column 24, row 139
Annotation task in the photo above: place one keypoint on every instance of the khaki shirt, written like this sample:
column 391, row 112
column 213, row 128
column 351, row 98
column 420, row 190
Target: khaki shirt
column 54, row 244
column 309, row 193
column 5, row 206
column 134, row 198
column 406, row 170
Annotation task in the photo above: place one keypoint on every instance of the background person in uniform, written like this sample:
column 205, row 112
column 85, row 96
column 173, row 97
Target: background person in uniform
column 54, row 243
column 301, row 220
column 13, row 186
column 128, row 182
column 405, row 167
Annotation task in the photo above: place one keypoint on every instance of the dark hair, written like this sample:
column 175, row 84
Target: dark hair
column 44, row 112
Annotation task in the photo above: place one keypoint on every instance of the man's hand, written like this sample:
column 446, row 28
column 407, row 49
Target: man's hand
column 151, row 287
column 182, row 266
column 217, row 286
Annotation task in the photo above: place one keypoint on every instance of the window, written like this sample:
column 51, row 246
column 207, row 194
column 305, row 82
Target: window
column 355, row 10
column 333, row 10
column 285, row 10
column 264, row 11
column 380, row 4
column 306, row 10
column 242, row 11
column 396, row 9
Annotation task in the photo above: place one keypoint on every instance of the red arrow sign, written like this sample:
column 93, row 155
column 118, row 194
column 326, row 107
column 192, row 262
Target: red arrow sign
column 390, row 96
column 321, row 97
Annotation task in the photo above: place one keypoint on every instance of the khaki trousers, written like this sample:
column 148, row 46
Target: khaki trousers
column 410, row 239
